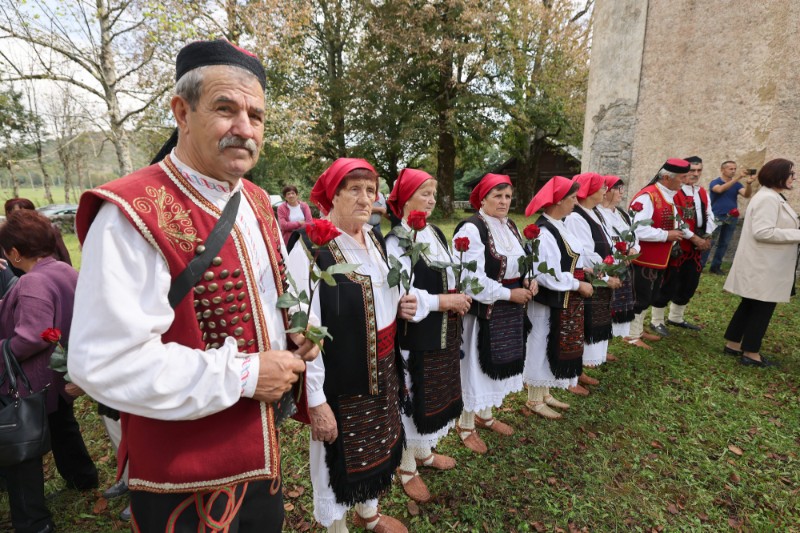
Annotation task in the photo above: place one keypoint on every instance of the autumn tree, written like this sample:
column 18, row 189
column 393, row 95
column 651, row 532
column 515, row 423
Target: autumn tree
column 13, row 131
column 542, row 71
column 103, row 48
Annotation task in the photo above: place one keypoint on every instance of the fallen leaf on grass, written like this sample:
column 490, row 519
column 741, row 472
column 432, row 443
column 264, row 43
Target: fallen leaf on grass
column 552, row 481
column 656, row 444
column 413, row 508
column 672, row 509
column 734, row 522
column 288, row 507
column 592, row 435
column 735, row 449
column 734, row 477
column 703, row 517
column 100, row 505
column 539, row 527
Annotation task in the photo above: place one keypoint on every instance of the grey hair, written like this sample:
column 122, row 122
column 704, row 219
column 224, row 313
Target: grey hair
column 662, row 173
column 190, row 86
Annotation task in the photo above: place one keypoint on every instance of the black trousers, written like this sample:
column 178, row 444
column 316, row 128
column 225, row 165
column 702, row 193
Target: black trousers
column 29, row 512
column 646, row 286
column 260, row 510
column 679, row 284
column 749, row 324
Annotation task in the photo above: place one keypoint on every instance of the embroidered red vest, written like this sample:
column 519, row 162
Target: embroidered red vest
column 240, row 443
column 656, row 254
column 682, row 202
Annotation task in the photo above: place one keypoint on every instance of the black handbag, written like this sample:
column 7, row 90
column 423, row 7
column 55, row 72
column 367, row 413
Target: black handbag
column 24, row 432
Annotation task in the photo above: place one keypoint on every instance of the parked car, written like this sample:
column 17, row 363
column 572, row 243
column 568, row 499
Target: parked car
column 275, row 200
column 58, row 209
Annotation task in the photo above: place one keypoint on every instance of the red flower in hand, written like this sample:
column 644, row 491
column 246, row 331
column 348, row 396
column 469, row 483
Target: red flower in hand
column 461, row 244
column 51, row 335
column 321, row 232
column 609, row 260
column 733, row 212
column 531, row 231
column 636, row 207
column 621, row 246
column 417, row 220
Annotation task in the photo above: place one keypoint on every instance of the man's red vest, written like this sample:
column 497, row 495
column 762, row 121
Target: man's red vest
column 656, row 254
column 687, row 211
column 240, row 443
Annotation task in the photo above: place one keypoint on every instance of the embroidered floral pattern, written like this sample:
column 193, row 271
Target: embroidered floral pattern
column 173, row 219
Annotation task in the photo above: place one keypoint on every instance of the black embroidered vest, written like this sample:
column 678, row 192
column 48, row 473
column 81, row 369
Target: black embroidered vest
column 569, row 260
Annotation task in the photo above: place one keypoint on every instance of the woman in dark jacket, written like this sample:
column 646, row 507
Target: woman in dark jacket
column 41, row 299
column 61, row 253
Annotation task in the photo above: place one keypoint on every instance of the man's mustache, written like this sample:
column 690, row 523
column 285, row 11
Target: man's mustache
column 232, row 141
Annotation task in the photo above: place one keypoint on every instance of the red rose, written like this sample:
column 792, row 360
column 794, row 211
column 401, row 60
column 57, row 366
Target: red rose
column 531, row 231
column 51, row 335
column 461, row 244
column 733, row 212
column 621, row 246
column 636, row 207
column 321, row 232
column 609, row 260
column 417, row 220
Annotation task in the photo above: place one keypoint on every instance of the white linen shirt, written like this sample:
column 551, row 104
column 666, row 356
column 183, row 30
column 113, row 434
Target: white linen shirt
column 116, row 353
column 694, row 192
column 649, row 233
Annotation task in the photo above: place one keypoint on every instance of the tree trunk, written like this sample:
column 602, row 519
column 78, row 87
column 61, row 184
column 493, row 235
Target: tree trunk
column 119, row 136
column 14, row 180
column 48, row 193
column 446, row 149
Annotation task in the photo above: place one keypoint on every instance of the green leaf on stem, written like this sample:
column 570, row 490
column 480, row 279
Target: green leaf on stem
column 341, row 268
column 299, row 320
column 288, row 300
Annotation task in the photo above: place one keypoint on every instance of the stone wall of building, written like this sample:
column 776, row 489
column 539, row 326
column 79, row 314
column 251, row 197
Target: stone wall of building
column 714, row 78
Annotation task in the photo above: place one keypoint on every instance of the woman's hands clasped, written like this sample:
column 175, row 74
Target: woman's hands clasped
column 457, row 303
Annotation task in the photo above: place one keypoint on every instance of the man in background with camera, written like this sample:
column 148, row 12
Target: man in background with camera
column 725, row 192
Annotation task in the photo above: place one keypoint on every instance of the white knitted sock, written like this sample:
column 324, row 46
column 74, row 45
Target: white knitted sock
column 637, row 326
column 339, row 526
column 407, row 464
column 657, row 315
column 676, row 313
column 467, row 420
column 537, row 394
column 369, row 513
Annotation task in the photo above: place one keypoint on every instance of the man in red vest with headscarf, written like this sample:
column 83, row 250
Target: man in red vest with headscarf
column 656, row 202
column 198, row 374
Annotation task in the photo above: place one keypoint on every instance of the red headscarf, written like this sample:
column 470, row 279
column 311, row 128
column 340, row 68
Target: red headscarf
column 611, row 181
column 553, row 192
column 325, row 187
column 487, row 183
column 406, row 184
column 590, row 183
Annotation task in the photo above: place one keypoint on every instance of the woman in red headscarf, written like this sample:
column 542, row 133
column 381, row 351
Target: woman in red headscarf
column 496, row 327
column 616, row 221
column 431, row 341
column 353, row 388
column 555, row 344
column 587, row 225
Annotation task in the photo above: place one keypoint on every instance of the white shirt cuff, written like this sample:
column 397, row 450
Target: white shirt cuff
column 576, row 283
column 505, row 294
column 433, row 302
column 316, row 398
column 250, row 366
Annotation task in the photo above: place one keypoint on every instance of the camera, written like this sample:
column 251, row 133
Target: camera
column 752, row 171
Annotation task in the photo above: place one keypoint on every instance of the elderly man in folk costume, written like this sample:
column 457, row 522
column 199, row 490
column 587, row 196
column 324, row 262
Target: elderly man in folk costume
column 554, row 354
column 176, row 326
column 587, row 224
column 683, row 275
column 354, row 388
column 655, row 202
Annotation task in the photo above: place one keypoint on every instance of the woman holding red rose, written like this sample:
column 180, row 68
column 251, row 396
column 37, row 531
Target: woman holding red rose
column 588, row 226
column 430, row 342
column 617, row 220
column 496, row 327
column 555, row 343
column 39, row 304
column 354, row 394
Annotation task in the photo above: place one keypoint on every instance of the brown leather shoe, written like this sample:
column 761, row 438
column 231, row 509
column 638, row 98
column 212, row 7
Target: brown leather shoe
column 415, row 488
column 611, row 358
column 380, row 524
column 541, row 409
column 639, row 343
column 495, row 425
column 437, row 461
column 585, row 379
column 472, row 440
column 580, row 391
column 650, row 336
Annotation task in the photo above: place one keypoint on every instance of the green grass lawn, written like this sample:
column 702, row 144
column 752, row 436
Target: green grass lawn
column 678, row 438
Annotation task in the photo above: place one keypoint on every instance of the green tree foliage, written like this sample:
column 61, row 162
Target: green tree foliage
column 14, row 119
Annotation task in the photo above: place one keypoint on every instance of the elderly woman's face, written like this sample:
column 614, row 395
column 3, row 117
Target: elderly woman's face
column 352, row 205
column 498, row 202
column 423, row 199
